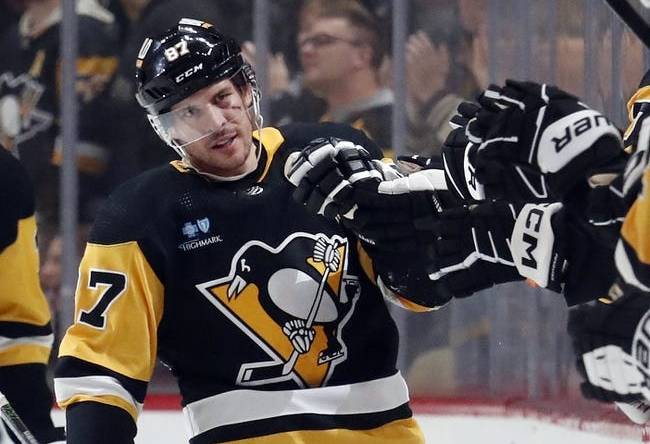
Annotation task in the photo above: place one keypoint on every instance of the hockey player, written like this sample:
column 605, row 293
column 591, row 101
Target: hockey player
column 25, row 330
column 272, row 319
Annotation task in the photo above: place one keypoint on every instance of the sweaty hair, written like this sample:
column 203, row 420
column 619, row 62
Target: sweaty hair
column 356, row 14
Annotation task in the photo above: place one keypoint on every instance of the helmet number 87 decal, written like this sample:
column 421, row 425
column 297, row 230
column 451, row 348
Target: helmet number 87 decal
column 174, row 52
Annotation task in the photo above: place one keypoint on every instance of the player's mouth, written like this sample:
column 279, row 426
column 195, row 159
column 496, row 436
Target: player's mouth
column 223, row 142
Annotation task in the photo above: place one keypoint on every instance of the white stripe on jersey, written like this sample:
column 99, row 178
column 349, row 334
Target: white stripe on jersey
column 66, row 388
column 43, row 341
column 249, row 405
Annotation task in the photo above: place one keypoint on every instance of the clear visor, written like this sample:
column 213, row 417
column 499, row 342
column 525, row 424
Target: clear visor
column 186, row 125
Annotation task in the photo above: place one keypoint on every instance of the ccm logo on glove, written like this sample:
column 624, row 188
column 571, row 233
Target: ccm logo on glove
column 532, row 244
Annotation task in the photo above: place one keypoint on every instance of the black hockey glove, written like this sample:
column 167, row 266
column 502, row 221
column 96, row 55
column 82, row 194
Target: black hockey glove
column 612, row 345
column 555, row 249
column 538, row 244
column 392, row 215
column 380, row 206
column 471, row 247
column 455, row 160
column 325, row 170
column 455, row 163
column 541, row 143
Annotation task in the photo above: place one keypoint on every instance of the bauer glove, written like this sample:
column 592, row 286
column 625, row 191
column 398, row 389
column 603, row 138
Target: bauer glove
column 540, row 143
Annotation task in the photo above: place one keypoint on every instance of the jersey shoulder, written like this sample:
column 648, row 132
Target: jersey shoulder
column 133, row 208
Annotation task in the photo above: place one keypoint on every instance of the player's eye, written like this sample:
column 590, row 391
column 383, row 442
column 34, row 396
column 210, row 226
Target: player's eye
column 222, row 96
column 190, row 112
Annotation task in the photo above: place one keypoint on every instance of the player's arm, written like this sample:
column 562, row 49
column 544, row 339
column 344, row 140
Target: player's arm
column 24, row 313
column 610, row 336
column 420, row 250
column 108, row 354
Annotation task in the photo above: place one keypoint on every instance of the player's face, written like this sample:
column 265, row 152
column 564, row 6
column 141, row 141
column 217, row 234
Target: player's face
column 219, row 114
column 328, row 52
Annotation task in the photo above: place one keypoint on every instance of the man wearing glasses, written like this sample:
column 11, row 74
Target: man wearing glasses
column 343, row 30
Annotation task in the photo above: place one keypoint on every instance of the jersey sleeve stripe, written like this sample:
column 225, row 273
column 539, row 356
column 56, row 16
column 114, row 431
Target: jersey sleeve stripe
column 10, row 329
column 25, row 353
column 104, row 389
column 43, row 341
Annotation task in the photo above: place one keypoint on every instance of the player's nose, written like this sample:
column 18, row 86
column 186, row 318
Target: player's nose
column 216, row 116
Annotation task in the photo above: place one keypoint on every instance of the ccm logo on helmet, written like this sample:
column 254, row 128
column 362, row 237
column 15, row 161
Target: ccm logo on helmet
column 184, row 75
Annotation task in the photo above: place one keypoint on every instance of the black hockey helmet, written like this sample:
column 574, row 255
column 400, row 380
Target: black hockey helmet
column 636, row 14
column 183, row 60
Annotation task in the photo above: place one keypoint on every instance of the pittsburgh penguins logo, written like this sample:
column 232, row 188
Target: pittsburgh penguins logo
column 19, row 118
column 293, row 301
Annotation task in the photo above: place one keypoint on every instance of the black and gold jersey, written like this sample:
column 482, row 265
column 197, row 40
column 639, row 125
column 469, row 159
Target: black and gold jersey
column 25, row 330
column 25, row 323
column 262, row 311
column 633, row 249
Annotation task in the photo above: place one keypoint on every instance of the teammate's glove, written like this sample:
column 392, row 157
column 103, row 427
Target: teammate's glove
column 460, row 173
column 455, row 162
column 612, row 344
column 392, row 215
column 541, row 143
column 325, row 170
column 339, row 180
column 537, row 248
column 471, row 247
column 554, row 248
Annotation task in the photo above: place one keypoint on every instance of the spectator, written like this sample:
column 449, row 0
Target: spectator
column 438, row 77
column 341, row 50
column 30, row 82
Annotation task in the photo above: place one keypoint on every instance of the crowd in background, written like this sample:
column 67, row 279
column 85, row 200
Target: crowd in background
column 330, row 60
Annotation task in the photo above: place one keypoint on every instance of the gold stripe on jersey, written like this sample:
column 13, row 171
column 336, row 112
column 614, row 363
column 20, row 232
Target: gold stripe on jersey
column 366, row 263
column 97, row 65
column 21, row 297
column 115, row 401
column 635, row 230
column 272, row 139
column 127, row 342
column 93, row 74
column 641, row 95
column 412, row 306
column 403, row 431
column 635, row 118
column 180, row 166
column 25, row 354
